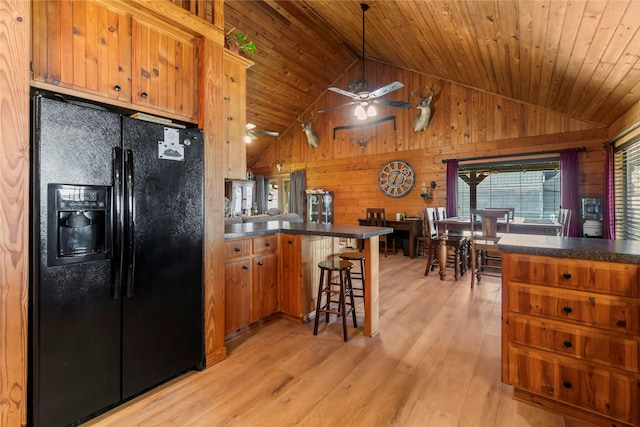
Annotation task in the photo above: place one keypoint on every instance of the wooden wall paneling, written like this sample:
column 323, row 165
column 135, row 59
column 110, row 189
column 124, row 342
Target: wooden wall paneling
column 15, row 28
column 210, row 119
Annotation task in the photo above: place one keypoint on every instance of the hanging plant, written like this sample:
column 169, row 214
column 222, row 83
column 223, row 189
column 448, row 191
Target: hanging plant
column 238, row 42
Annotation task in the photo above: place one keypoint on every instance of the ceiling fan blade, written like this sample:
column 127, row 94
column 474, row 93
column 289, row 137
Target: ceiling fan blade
column 398, row 104
column 250, row 126
column 266, row 132
column 335, row 107
column 343, row 92
column 386, row 89
column 252, row 136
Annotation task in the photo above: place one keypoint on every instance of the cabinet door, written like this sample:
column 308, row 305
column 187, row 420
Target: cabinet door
column 236, row 294
column 264, row 299
column 291, row 275
column 82, row 45
column 164, row 68
column 235, row 100
column 587, row 386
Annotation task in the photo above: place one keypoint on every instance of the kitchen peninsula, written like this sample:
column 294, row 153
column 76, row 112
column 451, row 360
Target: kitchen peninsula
column 571, row 325
column 289, row 288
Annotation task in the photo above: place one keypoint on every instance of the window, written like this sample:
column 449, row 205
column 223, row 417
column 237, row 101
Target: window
column 531, row 187
column 626, row 165
column 278, row 194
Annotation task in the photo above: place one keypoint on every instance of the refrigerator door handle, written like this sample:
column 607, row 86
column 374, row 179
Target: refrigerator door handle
column 117, row 224
column 130, row 226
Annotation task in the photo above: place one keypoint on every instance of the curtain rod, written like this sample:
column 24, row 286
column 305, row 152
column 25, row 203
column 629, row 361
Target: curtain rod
column 498, row 156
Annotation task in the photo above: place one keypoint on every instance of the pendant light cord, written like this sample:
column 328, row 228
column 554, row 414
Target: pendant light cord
column 364, row 8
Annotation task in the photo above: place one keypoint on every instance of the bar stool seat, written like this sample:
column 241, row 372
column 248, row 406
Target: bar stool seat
column 355, row 275
column 341, row 288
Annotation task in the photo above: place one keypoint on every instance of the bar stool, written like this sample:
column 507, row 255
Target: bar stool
column 355, row 275
column 344, row 289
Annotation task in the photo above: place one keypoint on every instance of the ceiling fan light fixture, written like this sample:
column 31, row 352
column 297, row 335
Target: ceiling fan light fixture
column 371, row 111
column 360, row 112
column 247, row 139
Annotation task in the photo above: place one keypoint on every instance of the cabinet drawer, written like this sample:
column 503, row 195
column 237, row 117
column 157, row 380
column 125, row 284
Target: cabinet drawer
column 597, row 389
column 265, row 244
column 237, row 248
column 587, row 275
column 614, row 313
column 614, row 350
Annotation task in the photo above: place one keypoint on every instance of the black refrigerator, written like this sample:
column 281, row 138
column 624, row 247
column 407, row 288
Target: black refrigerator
column 116, row 275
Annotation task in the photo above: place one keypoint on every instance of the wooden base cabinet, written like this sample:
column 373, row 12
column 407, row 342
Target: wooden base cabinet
column 571, row 336
column 251, row 282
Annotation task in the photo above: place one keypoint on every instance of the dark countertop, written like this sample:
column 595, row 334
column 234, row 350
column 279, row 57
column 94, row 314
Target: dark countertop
column 259, row 229
column 627, row 251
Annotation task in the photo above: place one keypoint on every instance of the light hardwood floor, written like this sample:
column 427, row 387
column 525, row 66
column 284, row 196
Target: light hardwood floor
column 435, row 362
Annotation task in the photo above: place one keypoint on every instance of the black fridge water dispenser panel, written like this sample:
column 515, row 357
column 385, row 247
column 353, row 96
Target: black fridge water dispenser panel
column 79, row 225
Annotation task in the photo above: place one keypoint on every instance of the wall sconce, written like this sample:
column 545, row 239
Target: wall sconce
column 429, row 195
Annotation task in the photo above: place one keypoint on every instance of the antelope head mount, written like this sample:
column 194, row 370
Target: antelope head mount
column 307, row 128
column 421, row 121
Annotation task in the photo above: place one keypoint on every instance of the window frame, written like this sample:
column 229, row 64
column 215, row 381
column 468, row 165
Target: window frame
column 549, row 196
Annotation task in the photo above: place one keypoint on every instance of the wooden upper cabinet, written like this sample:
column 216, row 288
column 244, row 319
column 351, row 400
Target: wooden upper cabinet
column 82, row 45
column 106, row 50
column 235, row 115
column 165, row 71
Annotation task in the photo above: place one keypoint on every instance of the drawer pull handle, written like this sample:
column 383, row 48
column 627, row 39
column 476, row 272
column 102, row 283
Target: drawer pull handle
column 267, row 244
column 237, row 249
column 567, row 343
column 143, row 95
column 260, row 263
column 117, row 88
column 567, row 309
column 566, row 384
column 245, row 267
column 567, row 275
column 291, row 242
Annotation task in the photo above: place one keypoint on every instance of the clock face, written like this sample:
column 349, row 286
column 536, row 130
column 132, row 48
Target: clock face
column 396, row 178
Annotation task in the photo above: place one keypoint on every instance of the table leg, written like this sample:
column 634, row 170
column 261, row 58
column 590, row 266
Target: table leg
column 371, row 283
column 442, row 255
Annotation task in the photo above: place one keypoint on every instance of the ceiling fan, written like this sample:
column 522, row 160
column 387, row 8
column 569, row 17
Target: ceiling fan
column 252, row 131
column 361, row 95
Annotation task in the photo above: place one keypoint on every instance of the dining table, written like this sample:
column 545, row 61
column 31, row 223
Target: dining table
column 412, row 225
column 518, row 225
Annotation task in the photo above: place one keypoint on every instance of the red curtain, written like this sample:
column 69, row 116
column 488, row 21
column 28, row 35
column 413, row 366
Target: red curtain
column 452, row 188
column 569, row 190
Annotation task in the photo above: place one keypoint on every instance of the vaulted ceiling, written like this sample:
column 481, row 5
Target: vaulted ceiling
column 579, row 58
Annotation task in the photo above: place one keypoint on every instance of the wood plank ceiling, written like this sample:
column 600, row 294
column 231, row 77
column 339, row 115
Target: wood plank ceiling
column 580, row 58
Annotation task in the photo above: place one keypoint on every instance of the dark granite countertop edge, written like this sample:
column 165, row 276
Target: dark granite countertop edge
column 623, row 251
column 260, row 229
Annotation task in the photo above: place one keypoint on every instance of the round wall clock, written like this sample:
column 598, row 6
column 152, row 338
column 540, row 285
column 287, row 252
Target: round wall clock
column 396, row 178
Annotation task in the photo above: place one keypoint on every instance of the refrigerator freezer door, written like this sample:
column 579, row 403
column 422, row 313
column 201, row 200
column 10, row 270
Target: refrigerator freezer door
column 163, row 317
column 75, row 322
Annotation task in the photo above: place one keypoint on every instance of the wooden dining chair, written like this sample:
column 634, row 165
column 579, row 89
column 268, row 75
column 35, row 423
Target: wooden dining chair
column 456, row 248
column 423, row 240
column 485, row 261
column 376, row 217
